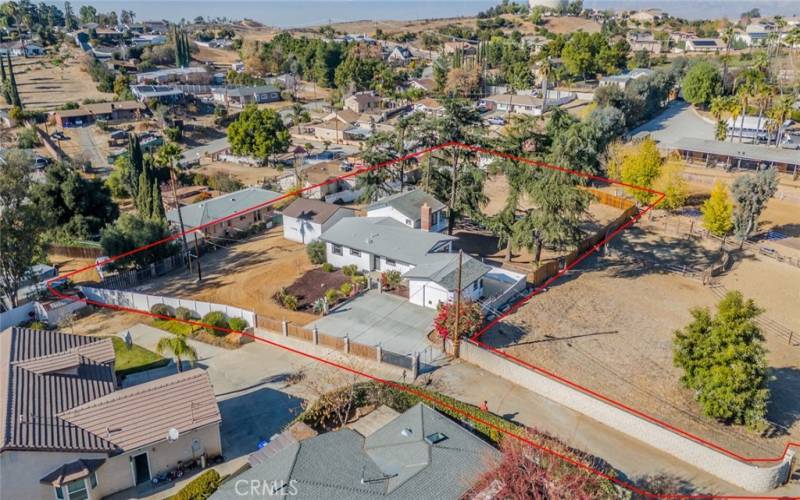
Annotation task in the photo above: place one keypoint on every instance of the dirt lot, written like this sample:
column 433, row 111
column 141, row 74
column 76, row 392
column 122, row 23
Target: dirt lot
column 44, row 86
column 609, row 326
column 244, row 275
column 249, row 176
column 68, row 264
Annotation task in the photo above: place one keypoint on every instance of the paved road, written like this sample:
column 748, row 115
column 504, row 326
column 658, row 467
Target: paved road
column 87, row 144
column 675, row 122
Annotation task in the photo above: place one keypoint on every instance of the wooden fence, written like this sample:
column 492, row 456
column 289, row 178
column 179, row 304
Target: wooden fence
column 551, row 267
column 339, row 343
column 75, row 252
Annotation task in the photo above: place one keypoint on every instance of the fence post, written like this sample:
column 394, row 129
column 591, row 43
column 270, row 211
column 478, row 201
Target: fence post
column 347, row 344
column 414, row 365
column 379, row 353
column 315, row 335
column 285, row 328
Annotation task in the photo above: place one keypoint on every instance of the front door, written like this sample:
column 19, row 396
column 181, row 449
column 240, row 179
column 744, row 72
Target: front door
column 141, row 468
column 376, row 262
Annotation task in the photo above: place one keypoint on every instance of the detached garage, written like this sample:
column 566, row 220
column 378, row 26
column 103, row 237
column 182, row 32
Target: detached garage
column 304, row 220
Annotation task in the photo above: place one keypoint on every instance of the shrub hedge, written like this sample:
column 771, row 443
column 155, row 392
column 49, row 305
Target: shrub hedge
column 216, row 320
column 201, row 487
column 162, row 310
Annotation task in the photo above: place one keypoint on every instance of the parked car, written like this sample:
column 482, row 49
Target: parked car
column 58, row 136
column 40, row 162
column 496, row 120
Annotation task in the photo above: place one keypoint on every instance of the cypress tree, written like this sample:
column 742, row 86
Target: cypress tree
column 157, row 207
column 4, row 83
column 136, row 164
column 13, row 93
column 2, row 71
column 145, row 199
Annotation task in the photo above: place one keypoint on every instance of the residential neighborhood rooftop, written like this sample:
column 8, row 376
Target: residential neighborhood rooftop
column 198, row 214
column 386, row 237
column 419, row 454
column 312, row 210
column 442, row 269
column 409, row 203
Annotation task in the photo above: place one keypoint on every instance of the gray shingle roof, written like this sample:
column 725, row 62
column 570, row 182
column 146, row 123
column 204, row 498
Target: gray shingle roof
column 33, row 394
column 385, row 237
column 442, row 268
column 753, row 152
column 206, row 211
column 395, row 462
column 409, row 203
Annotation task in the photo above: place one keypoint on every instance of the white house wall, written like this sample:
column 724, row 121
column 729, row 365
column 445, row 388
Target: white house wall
column 429, row 294
column 393, row 213
column 301, row 231
column 362, row 263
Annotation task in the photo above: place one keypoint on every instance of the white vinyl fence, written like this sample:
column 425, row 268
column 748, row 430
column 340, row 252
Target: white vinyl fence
column 144, row 302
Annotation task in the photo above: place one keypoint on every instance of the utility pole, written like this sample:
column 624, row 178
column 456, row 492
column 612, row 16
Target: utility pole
column 197, row 257
column 456, row 336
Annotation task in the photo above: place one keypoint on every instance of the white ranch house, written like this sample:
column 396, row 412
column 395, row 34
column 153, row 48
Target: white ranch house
column 305, row 220
column 415, row 209
column 425, row 259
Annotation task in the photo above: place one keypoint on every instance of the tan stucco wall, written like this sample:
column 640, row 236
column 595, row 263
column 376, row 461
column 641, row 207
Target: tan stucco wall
column 20, row 471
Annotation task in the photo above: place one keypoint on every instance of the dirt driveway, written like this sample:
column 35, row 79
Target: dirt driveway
column 609, row 327
column 246, row 275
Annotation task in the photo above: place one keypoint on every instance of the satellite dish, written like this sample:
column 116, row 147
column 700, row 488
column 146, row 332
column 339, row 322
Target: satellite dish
column 173, row 434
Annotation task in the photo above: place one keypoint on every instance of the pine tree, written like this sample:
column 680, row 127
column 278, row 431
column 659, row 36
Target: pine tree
column 157, row 207
column 12, row 85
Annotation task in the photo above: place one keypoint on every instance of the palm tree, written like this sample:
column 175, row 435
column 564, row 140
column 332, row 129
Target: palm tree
column 177, row 346
column 718, row 106
column 168, row 155
column 727, row 37
column 780, row 110
column 546, row 69
column 299, row 115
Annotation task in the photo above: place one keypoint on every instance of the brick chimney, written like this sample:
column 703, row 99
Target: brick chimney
column 425, row 217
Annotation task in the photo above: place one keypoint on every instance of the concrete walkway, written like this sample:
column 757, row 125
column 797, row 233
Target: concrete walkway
column 633, row 458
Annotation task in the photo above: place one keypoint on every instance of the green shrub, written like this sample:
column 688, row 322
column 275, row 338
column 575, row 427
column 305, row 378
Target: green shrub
column 216, row 321
column 38, row 325
column 201, row 487
column 162, row 310
column 184, row 313
column 346, row 289
column 350, row 270
column 359, row 282
column 332, row 295
column 393, row 278
column 238, row 324
column 328, row 267
column 316, row 252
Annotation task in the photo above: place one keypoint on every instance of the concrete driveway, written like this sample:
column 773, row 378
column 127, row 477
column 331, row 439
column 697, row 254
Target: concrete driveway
column 250, row 384
column 675, row 122
column 381, row 319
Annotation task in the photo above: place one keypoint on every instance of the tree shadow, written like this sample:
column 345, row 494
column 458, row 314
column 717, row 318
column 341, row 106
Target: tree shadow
column 784, row 403
column 655, row 253
column 664, row 484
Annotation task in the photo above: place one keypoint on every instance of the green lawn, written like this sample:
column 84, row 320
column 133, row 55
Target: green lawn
column 135, row 359
column 174, row 326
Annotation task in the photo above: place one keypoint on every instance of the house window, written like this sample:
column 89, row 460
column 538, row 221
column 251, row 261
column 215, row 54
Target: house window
column 355, row 253
column 409, row 223
column 390, row 262
column 337, row 250
column 93, row 480
column 76, row 490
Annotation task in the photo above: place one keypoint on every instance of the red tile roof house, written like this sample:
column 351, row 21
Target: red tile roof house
column 67, row 433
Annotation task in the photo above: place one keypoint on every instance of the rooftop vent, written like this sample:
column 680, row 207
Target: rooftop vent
column 436, row 437
column 407, row 432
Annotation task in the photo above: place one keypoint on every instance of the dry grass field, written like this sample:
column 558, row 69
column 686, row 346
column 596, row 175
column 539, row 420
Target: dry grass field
column 43, row 86
column 608, row 325
column 244, row 275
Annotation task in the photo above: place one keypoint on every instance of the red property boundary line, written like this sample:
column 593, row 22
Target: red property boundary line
column 475, row 338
